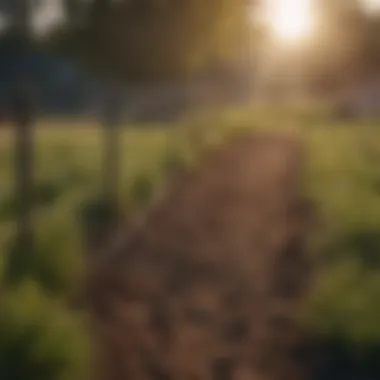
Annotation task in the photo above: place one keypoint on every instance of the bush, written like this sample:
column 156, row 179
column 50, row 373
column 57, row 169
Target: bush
column 39, row 339
column 56, row 259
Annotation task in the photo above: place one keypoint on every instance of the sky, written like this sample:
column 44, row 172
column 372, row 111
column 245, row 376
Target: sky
column 51, row 13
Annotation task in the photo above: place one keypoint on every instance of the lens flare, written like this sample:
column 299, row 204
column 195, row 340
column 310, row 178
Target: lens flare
column 290, row 19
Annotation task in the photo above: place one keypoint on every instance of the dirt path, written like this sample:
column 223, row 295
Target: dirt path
column 210, row 286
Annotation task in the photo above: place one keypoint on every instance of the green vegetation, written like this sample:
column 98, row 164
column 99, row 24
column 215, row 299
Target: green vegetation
column 42, row 336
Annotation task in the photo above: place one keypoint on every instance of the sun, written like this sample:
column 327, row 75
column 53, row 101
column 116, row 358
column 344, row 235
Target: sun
column 290, row 20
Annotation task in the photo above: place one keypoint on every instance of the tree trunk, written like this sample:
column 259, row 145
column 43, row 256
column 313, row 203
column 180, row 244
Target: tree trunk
column 23, row 118
column 102, row 217
column 111, row 154
column 24, row 163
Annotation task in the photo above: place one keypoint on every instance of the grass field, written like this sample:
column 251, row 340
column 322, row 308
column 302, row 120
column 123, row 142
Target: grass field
column 342, row 173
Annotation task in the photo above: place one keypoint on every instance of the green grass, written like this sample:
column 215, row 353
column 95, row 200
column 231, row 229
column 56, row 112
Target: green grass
column 342, row 175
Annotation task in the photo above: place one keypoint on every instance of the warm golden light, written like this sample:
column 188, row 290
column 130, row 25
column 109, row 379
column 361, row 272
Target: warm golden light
column 290, row 20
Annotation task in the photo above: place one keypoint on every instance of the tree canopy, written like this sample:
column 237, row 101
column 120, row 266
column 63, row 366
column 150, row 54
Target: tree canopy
column 346, row 46
column 145, row 40
column 158, row 39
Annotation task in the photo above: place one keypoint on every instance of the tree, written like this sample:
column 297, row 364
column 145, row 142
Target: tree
column 23, row 113
column 151, row 40
column 145, row 40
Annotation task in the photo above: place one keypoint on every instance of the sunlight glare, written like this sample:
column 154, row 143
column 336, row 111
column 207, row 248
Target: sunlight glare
column 290, row 19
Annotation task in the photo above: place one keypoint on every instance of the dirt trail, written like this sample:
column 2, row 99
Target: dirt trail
column 210, row 286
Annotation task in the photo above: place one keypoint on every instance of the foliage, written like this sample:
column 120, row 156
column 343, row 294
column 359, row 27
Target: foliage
column 343, row 177
column 39, row 339
column 344, row 47
column 156, row 40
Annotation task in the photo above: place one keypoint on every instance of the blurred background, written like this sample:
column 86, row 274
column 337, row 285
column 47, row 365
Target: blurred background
column 100, row 100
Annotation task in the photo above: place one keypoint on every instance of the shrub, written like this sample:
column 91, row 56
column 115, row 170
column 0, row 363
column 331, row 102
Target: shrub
column 39, row 339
